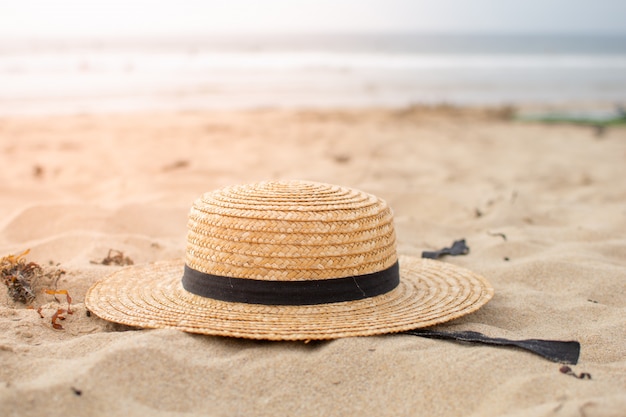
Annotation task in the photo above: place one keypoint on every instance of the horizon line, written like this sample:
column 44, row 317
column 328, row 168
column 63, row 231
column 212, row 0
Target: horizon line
column 321, row 33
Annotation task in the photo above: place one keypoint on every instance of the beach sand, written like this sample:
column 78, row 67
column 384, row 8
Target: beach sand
column 541, row 207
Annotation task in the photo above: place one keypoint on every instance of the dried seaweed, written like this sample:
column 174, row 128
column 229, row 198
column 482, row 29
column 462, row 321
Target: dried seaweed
column 19, row 277
column 67, row 297
column 568, row 371
column 115, row 257
column 57, row 316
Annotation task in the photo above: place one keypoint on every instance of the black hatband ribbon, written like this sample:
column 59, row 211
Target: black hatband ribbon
column 554, row 350
column 307, row 292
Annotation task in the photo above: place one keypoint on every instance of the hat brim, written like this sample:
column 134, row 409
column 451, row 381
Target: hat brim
column 151, row 296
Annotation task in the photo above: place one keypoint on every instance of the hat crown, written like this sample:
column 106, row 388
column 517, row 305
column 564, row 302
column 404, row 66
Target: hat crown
column 290, row 231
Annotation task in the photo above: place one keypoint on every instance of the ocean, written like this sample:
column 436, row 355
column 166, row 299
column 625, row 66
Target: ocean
column 342, row 70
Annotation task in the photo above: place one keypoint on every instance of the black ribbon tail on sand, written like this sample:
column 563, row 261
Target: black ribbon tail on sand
column 458, row 248
column 553, row 350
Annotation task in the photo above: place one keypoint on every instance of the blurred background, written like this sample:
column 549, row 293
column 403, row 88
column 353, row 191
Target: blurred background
column 72, row 56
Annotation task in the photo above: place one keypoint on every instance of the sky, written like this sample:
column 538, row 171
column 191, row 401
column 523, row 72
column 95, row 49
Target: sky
column 36, row 18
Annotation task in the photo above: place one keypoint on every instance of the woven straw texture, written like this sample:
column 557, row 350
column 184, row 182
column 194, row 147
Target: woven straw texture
column 289, row 231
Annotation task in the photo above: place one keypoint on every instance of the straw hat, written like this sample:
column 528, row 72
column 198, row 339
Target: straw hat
column 289, row 260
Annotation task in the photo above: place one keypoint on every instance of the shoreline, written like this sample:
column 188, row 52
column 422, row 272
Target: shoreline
column 349, row 70
column 512, row 108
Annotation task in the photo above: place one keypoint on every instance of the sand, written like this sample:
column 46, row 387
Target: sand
column 541, row 207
